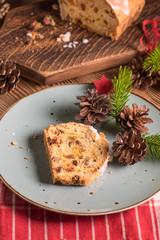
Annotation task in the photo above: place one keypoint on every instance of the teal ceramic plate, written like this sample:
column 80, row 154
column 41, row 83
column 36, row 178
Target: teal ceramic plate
column 24, row 168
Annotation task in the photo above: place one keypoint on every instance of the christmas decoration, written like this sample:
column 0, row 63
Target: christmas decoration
column 142, row 79
column 152, row 62
column 104, row 86
column 134, row 118
column 129, row 148
column 122, row 86
column 4, row 8
column 94, row 108
column 9, row 76
column 153, row 144
column 155, row 30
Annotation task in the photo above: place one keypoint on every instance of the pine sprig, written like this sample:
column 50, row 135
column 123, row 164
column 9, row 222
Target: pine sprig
column 122, row 86
column 153, row 61
column 153, row 144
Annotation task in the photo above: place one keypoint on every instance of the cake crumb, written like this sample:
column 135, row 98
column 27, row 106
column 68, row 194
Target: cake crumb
column 85, row 41
column 21, row 147
column 35, row 136
column 55, row 6
column 110, row 172
column 14, row 143
column 29, row 34
column 64, row 37
column 58, row 39
column 48, row 20
column 27, row 158
column 71, row 45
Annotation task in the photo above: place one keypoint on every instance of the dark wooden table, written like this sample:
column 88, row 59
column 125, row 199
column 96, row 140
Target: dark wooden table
column 16, row 3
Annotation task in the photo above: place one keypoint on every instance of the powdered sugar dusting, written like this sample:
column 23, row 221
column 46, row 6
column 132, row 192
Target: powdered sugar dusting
column 85, row 41
column 69, row 44
column 120, row 5
column 64, row 37
column 103, row 168
column 93, row 129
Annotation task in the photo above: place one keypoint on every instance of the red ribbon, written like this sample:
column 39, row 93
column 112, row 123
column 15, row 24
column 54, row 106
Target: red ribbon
column 156, row 34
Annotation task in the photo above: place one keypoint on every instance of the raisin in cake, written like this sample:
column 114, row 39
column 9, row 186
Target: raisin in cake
column 106, row 17
column 77, row 153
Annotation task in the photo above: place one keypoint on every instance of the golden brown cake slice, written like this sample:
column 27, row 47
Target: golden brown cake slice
column 105, row 17
column 77, row 153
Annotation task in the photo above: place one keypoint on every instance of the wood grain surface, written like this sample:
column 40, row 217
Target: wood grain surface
column 26, row 87
column 47, row 61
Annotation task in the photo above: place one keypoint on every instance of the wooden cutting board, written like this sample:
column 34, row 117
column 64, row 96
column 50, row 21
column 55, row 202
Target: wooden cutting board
column 47, row 61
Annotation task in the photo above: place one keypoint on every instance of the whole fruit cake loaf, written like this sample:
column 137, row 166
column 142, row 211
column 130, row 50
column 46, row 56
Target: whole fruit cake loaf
column 106, row 17
column 77, row 153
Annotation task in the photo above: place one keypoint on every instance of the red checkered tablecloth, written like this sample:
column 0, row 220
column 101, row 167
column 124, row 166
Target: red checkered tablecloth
column 21, row 221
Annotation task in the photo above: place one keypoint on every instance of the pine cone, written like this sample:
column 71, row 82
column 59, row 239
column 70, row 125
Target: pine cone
column 156, row 76
column 9, row 76
column 4, row 8
column 130, row 148
column 134, row 118
column 141, row 79
column 95, row 108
